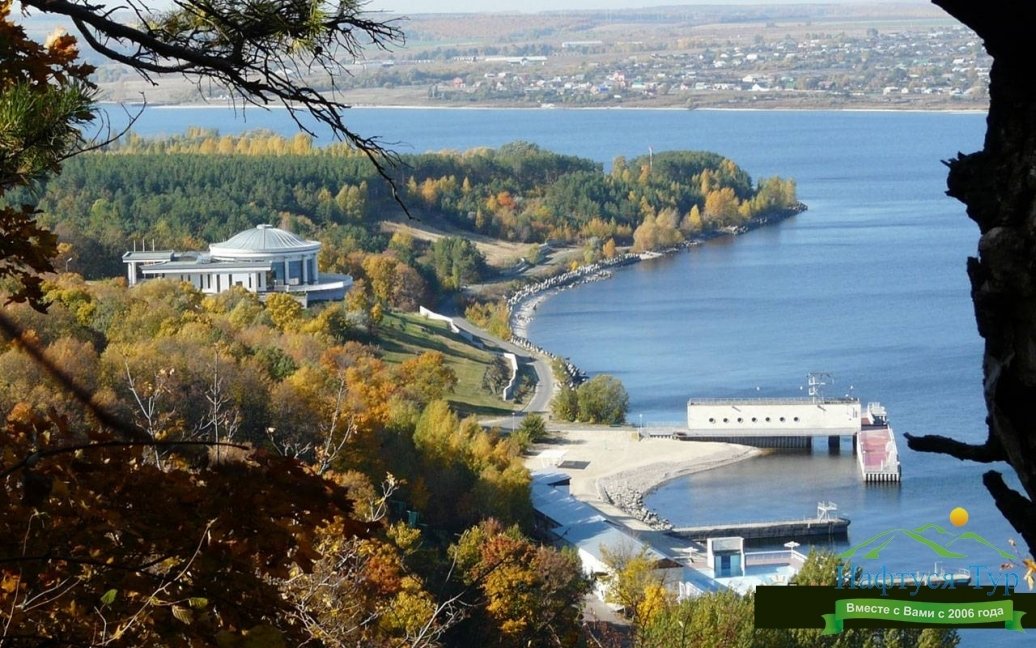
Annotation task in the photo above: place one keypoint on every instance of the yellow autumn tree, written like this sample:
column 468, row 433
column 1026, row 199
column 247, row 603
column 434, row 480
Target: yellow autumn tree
column 285, row 311
column 721, row 206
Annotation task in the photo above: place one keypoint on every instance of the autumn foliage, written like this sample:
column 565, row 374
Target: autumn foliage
column 100, row 546
column 44, row 97
column 324, row 514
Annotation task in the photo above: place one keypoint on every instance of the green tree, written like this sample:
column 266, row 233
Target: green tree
column 456, row 262
column 533, row 428
column 565, row 405
column 602, row 399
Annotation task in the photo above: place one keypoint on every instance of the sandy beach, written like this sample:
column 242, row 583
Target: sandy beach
column 602, row 459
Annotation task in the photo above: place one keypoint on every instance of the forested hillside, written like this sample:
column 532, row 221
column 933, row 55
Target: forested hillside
column 179, row 367
column 187, row 191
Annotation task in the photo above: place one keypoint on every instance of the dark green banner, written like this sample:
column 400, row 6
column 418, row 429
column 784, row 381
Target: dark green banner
column 924, row 613
column 833, row 609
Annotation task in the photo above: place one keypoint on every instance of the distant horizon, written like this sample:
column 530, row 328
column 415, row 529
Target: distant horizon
column 416, row 7
column 554, row 6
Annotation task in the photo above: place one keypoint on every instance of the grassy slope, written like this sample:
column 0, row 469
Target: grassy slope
column 404, row 336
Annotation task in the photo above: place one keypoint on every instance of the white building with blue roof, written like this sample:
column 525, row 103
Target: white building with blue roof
column 262, row 260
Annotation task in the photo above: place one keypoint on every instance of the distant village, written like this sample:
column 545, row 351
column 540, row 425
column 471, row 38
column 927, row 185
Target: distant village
column 895, row 56
column 894, row 67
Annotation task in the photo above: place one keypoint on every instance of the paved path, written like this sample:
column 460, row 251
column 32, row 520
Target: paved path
column 540, row 401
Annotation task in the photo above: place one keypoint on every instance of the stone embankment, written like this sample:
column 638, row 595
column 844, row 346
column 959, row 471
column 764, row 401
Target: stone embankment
column 574, row 376
column 520, row 316
column 631, row 501
column 523, row 303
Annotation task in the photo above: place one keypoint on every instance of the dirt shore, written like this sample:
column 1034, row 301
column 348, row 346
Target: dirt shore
column 600, row 459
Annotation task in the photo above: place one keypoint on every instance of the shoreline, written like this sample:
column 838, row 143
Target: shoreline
column 834, row 109
column 523, row 303
column 648, row 479
column 627, row 489
column 592, row 462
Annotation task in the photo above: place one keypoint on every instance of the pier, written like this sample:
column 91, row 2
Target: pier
column 877, row 455
column 795, row 422
column 823, row 526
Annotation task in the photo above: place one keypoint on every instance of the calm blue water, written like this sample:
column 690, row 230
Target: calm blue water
column 868, row 284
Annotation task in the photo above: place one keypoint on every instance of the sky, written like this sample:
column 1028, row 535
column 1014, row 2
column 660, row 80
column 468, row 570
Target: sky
column 532, row 6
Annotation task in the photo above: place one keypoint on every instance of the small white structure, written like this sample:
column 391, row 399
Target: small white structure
column 726, row 556
column 262, row 260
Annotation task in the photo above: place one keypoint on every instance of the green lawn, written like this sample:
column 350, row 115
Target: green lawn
column 404, row 335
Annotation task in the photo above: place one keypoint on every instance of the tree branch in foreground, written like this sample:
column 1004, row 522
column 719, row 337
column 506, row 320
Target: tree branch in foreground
column 988, row 452
column 260, row 52
column 1018, row 510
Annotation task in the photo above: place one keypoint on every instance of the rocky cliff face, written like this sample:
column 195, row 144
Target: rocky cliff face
column 998, row 186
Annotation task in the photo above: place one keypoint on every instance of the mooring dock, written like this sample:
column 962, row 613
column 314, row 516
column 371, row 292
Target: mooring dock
column 803, row 529
column 823, row 525
column 877, row 454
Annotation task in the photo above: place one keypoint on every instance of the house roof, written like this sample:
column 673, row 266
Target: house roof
column 562, row 509
column 582, row 526
column 145, row 255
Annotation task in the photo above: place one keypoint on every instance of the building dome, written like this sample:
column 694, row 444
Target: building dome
column 262, row 240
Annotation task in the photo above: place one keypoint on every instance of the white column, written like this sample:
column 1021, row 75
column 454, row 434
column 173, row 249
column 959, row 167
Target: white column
column 305, row 270
column 286, row 271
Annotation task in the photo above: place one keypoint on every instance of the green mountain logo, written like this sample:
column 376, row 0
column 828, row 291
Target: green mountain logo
column 946, row 545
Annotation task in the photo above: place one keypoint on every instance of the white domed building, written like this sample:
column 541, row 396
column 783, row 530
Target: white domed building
column 262, row 260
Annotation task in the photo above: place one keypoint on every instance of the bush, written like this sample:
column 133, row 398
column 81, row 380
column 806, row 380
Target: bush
column 602, row 399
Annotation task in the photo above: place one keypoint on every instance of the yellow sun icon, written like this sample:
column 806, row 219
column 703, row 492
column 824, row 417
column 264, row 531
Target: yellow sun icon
column 959, row 516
